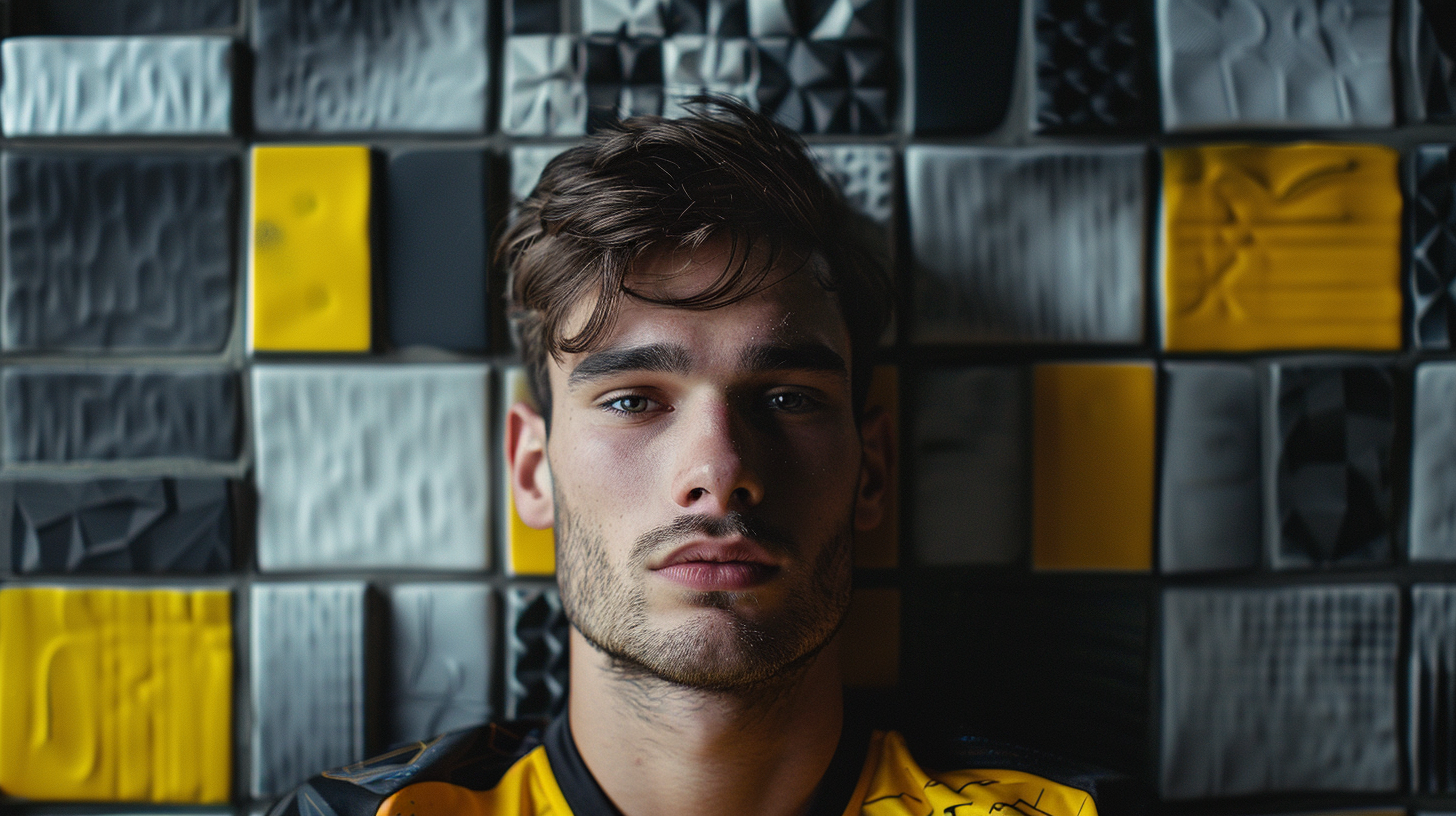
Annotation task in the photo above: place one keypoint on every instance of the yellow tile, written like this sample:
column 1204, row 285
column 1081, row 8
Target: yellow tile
column 870, row 639
column 880, row 548
column 310, row 274
column 1281, row 247
column 112, row 694
column 1092, row 460
column 528, row 551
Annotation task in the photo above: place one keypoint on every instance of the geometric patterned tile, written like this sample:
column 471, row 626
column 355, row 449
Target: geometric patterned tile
column 1433, row 689
column 1432, row 26
column 1431, row 219
column 1094, row 68
column 1433, row 464
column 623, row 78
column 826, row 86
column 626, row 18
column 544, row 92
column 103, row 17
column 866, row 176
column 715, row 18
column 442, row 636
column 536, row 653
column 819, row 20
column 694, row 64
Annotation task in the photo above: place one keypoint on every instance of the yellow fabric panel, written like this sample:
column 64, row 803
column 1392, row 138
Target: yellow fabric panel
column 115, row 694
column 1092, row 460
column 527, row 789
column 1281, row 247
column 528, row 551
column 310, row 272
column 880, row 548
column 870, row 639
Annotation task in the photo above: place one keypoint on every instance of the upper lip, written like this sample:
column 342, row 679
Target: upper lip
column 719, row 551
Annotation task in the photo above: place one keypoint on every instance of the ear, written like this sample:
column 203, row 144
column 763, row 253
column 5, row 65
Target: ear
column 877, row 462
column 530, row 472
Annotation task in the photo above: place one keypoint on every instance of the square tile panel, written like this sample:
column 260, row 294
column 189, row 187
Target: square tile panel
column 623, row 78
column 540, row 16
column 825, row 86
column 442, row 638
column 819, row 20
column 103, row 17
column 536, row 652
column 1433, row 464
column 1431, row 216
column 628, row 18
column 1432, row 28
column 1094, row 67
column 545, row 86
column 951, row 41
column 1433, row 688
column 715, row 18
column 694, row 64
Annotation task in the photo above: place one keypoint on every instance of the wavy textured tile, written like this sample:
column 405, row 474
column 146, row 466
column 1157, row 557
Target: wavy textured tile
column 1290, row 246
column 536, row 662
column 371, row 466
column 1433, row 465
column 116, row 251
column 116, row 694
column 117, row 526
column 1212, row 495
column 442, row 636
column 694, row 64
column 544, row 93
column 307, row 681
column 1094, row 69
column 866, row 176
column 1431, row 216
column 821, row 20
column 1432, row 25
column 153, row 86
column 623, row 78
column 1433, row 688
column 1016, row 245
column 951, row 41
column 349, row 66
column 969, row 464
column 1275, row 63
column 1332, row 477
column 826, row 86
column 55, row 414
column 436, row 231
column 527, row 164
column 103, row 17
column 1268, row 691
column 528, row 551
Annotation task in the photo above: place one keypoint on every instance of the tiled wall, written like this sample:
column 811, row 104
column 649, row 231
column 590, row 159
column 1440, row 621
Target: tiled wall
column 1173, row 375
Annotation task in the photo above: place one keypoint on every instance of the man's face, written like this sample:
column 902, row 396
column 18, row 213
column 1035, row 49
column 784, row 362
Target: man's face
column 705, row 467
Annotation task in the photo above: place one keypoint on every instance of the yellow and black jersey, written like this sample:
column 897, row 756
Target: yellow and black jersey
column 535, row 770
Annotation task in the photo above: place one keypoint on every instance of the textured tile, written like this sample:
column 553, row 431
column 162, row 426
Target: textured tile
column 103, row 17
column 1275, row 63
column 436, row 232
column 545, row 86
column 694, row 64
column 154, row 86
column 1092, row 466
column 950, row 41
column 371, row 466
column 1015, row 245
column 536, row 663
column 1431, row 216
column 117, row 525
column 307, row 681
column 1094, row 68
column 55, row 414
column 1332, row 478
column 348, row 66
column 1291, row 246
column 628, row 18
column 1211, row 511
column 539, row 16
column 1432, row 26
column 528, row 551
column 116, row 694
column 715, row 18
column 110, row 251
column 824, row 86
column 969, row 461
column 623, row 78
column 310, row 275
column 866, row 176
column 442, row 637
column 870, row 639
column 879, row 547
column 527, row 164
column 1433, row 465
column 820, row 20
column 1433, row 688
column 1268, row 691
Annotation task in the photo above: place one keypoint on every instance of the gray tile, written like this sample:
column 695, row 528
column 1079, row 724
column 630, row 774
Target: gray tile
column 536, row 653
column 64, row 414
column 1431, row 275
column 1433, row 688
column 715, row 18
column 826, row 86
column 103, row 17
column 971, row 465
column 339, row 66
column 1433, row 465
column 1432, row 29
column 623, row 78
column 371, row 466
column 307, row 681
column 632, row 18
column 116, row 526
column 693, row 65
column 151, row 86
column 110, row 251
column 1017, row 245
column 866, row 176
column 544, row 91
column 527, row 163
column 540, row 16
column 1275, row 63
column 1212, row 489
column 831, row 20
column 442, row 637
column 1279, row 690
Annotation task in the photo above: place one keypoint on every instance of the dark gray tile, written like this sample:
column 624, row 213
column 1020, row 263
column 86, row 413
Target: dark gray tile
column 623, row 78
column 1433, row 464
column 951, row 42
column 1430, row 214
column 715, row 18
column 123, row 252
column 539, row 16
column 1279, row 690
column 544, row 91
column 56, row 414
column 442, row 637
column 826, row 86
column 694, row 64
column 1433, row 688
column 535, row 650
column 103, row 17
column 1094, row 67
column 1432, row 25
column 822, row 20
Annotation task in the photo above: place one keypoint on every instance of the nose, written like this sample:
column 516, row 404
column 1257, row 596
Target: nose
column 715, row 471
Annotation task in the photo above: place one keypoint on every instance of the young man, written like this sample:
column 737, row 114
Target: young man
column 698, row 314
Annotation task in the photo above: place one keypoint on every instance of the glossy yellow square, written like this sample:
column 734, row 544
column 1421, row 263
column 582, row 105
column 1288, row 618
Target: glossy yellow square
column 1281, row 247
column 310, row 279
column 116, row 694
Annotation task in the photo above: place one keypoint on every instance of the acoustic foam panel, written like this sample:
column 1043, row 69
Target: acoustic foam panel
column 825, row 86
column 1432, row 29
column 307, row 681
column 544, row 91
column 442, row 638
column 528, row 551
column 85, row 86
column 72, row 414
column 694, row 64
column 1433, row 688
column 1092, row 466
column 436, row 239
column 116, row 694
column 1431, row 216
column 1331, row 478
column 310, row 273
column 1275, row 63
column 1212, row 498
column 118, row 251
column 116, row 526
column 1094, row 67
column 1279, row 690
column 1433, row 464
column 536, row 653
column 352, row 66
column 371, row 466
column 623, row 78
column 113, row 17
column 961, row 64
column 1282, row 246
column 1018, row 245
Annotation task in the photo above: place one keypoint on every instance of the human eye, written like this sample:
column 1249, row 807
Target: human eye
column 791, row 402
column 628, row 405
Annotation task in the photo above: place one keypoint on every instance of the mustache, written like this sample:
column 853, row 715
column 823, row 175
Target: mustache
column 774, row 539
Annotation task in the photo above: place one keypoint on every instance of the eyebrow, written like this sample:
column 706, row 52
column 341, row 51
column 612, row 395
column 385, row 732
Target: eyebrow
column 810, row 356
column 663, row 357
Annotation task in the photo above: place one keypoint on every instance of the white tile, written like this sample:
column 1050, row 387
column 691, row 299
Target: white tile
column 442, row 637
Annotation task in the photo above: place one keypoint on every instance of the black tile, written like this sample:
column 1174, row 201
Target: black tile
column 963, row 59
column 1435, row 60
column 121, row 17
column 1094, row 69
column 536, row 653
column 1431, row 216
column 1433, row 689
column 623, row 78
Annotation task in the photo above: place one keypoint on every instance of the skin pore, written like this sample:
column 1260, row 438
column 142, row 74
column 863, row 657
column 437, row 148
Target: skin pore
column 705, row 473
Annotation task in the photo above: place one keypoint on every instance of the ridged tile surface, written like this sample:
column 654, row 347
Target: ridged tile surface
column 1279, row 690
column 348, row 66
column 1015, row 245
column 1431, row 216
column 693, row 64
column 623, row 78
column 544, row 92
column 1433, row 464
column 153, row 86
column 371, row 466
column 442, row 638
column 1094, row 67
column 103, row 17
column 56, row 414
column 535, row 651
column 826, row 86
column 1433, row 688
column 1432, row 28
column 125, row 252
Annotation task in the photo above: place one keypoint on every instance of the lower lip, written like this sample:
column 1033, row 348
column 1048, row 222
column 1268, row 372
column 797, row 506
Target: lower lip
column 713, row 576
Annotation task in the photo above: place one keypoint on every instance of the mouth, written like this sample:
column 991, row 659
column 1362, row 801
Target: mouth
column 718, row 566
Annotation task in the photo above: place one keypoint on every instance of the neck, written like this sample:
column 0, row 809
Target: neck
column 659, row 748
